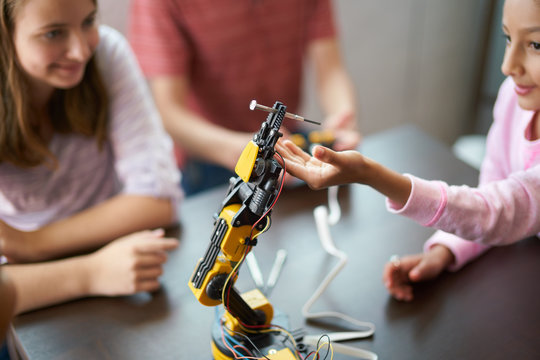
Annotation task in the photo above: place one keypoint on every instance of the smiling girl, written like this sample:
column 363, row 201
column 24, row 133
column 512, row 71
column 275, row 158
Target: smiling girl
column 503, row 209
column 85, row 165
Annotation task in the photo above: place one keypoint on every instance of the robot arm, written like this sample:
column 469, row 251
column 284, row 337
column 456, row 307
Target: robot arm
column 244, row 214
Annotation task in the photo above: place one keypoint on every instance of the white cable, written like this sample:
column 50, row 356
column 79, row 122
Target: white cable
column 255, row 270
column 323, row 220
column 333, row 205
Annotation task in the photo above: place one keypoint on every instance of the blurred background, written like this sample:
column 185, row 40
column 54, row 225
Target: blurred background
column 431, row 63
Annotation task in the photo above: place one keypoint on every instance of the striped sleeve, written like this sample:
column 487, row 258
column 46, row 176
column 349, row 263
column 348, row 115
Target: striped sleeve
column 144, row 160
column 321, row 23
column 156, row 37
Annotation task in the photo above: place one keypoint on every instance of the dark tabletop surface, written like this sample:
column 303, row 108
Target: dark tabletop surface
column 488, row 310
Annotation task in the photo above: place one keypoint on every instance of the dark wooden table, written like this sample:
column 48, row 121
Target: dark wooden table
column 488, row 310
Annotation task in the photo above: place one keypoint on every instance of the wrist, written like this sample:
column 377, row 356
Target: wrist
column 41, row 244
column 443, row 254
column 88, row 270
column 368, row 171
column 28, row 247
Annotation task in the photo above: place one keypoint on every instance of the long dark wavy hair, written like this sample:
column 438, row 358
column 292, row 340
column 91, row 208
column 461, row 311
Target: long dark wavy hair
column 82, row 109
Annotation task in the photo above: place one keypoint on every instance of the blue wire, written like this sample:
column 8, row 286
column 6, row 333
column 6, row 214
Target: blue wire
column 229, row 338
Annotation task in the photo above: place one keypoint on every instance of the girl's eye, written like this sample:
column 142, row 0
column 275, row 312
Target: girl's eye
column 535, row 45
column 507, row 38
column 89, row 21
column 53, row 34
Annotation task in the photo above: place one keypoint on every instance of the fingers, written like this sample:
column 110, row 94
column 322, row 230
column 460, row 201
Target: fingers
column 399, row 275
column 293, row 152
column 130, row 264
column 295, row 159
column 396, row 276
column 396, row 282
column 146, row 260
column 340, row 161
column 324, row 154
column 148, row 241
column 146, row 278
column 148, row 286
column 156, row 245
column 149, row 273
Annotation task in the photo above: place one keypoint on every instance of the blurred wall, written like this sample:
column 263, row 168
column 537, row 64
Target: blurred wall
column 412, row 61
column 492, row 74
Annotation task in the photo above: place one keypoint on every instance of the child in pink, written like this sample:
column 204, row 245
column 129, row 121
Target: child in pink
column 503, row 209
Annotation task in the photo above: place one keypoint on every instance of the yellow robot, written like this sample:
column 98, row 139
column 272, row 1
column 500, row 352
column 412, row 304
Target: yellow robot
column 246, row 325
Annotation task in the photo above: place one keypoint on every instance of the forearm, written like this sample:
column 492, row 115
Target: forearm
column 38, row 285
column 198, row 136
column 96, row 226
column 334, row 86
column 336, row 92
column 391, row 184
column 203, row 139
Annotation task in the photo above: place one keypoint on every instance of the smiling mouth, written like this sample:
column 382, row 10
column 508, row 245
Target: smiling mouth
column 523, row 90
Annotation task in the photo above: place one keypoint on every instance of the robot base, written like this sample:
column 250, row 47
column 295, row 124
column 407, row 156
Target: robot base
column 275, row 345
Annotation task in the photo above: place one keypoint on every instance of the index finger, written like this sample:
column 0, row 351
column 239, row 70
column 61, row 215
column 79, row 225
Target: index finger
column 157, row 245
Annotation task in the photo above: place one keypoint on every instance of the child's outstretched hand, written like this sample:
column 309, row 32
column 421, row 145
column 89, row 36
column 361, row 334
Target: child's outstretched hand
column 400, row 274
column 325, row 168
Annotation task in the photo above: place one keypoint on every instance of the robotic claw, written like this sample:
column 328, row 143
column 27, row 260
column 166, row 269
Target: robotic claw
column 247, row 325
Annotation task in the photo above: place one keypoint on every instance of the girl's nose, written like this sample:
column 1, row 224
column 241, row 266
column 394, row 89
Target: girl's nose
column 512, row 62
column 79, row 47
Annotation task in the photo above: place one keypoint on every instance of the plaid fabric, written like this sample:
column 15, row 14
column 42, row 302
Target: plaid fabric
column 232, row 51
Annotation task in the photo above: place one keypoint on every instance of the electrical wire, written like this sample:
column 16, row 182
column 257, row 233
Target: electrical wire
column 323, row 220
column 319, row 346
column 251, row 236
column 282, row 181
column 228, row 285
column 247, row 338
column 273, row 328
column 277, row 328
column 328, row 349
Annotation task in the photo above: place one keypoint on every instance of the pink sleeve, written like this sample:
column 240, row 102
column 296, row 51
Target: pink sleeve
column 494, row 168
column 497, row 213
column 464, row 251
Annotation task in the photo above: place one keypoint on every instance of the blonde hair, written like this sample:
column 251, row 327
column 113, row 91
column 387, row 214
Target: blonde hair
column 82, row 109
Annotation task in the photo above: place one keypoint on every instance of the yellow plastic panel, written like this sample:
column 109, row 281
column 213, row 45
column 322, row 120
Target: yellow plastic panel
column 245, row 163
column 233, row 245
column 222, row 265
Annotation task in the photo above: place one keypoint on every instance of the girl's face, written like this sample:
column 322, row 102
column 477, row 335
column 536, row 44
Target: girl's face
column 521, row 26
column 54, row 40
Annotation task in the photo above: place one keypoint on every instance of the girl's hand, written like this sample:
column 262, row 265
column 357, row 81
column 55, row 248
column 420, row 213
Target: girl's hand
column 325, row 168
column 129, row 264
column 398, row 275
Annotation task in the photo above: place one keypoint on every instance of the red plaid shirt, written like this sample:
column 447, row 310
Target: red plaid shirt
column 232, row 51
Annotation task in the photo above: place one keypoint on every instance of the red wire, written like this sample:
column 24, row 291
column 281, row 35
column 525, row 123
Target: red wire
column 248, row 248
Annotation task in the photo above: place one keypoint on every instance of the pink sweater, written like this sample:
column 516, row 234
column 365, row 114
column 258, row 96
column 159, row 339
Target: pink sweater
column 504, row 208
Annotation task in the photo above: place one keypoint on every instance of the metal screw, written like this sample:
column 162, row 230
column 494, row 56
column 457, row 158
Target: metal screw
column 253, row 105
